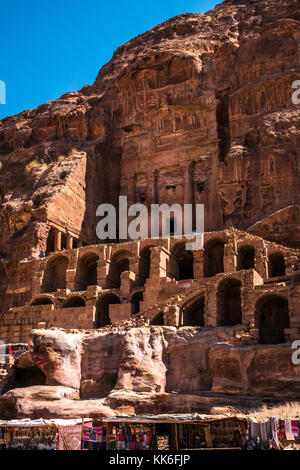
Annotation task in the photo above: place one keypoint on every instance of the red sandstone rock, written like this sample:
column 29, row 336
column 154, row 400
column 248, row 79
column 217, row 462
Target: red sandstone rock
column 44, row 401
column 58, row 355
column 196, row 110
column 214, row 88
column 153, row 370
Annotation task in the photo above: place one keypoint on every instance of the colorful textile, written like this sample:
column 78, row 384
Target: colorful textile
column 94, row 438
column 288, row 430
column 265, row 431
column 274, row 441
column 69, row 437
column 281, row 429
column 254, row 430
column 295, row 427
column 130, row 437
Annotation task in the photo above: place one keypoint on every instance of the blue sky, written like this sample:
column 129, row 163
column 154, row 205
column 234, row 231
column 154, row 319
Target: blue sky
column 50, row 48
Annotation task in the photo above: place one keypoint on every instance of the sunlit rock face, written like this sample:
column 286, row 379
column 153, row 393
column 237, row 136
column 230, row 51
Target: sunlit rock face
column 148, row 369
column 197, row 110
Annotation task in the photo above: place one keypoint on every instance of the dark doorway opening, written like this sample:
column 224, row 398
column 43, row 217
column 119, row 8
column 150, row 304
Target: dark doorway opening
column 213, row 258
column 55, row 274
column 102, row 309
column 135, row 300
column 272, row 317
column 50, row 241
column 74, row 302
column 229, row 303
column 194, row 314
column 182, row 266
column 118, row 265
column 144, row 264
column 276, row 265
column 86, row 274
column 63, row 241
column 246, row 258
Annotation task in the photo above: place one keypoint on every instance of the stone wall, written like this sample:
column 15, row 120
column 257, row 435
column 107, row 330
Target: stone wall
column 160, row 359
column 110, row 294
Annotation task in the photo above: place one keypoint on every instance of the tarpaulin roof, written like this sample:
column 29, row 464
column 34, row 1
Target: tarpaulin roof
column 170, row 418
column 42, row 422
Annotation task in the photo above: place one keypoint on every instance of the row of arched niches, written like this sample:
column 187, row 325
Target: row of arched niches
column 271, row 311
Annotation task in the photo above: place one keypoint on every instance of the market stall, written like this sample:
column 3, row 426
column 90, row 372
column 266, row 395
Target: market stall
column 94, row 436
column 151, row 432
column 28, row 435
column 40, row 434
column 272, row 433
column 173, row 432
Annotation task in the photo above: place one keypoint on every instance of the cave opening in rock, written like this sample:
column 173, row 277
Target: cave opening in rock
column 55, row 274
column 181, row 262
column 271, row 318
column 135, row 300
column 75, row 301
column 276, row 265
column 213, row 258
column 118, row 265
column 86, row 273
column 246, row 257
column 102, row 309
column 193, row 315
column 229, row 309
column 29, row 376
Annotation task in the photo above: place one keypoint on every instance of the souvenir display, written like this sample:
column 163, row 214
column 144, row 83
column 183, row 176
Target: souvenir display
column 94, row 438
column 162, row 442
column 131, row 437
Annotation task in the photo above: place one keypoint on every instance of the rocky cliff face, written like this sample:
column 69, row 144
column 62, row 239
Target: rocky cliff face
column 210, row 88
column 153, row 369
column 197, row 110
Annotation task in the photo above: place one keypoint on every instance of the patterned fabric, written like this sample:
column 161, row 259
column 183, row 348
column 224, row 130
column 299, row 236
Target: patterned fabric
column 130, row 437
column 265, row 431
column 281, row 429
column 275, row 442
column 295, row 428
column 69, row 437
column 94, row 438
column 288, row 430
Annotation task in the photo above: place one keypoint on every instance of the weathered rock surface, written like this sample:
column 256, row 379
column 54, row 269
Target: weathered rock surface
column 154, row 369
column 45, row 401
column 255, row 370
column 212, row 87
column 197, row 110
column 142, row 368
column 58, row 355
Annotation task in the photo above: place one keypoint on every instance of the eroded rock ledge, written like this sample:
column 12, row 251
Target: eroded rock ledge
column 152, row 368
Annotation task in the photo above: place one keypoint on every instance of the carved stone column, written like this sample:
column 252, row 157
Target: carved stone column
column 102, row 273
column 198, row 264
column 69, row 242
column 57, row 241
column 70, row 279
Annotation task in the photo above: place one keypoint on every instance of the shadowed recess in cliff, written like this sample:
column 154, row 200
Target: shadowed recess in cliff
column 223, row 123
